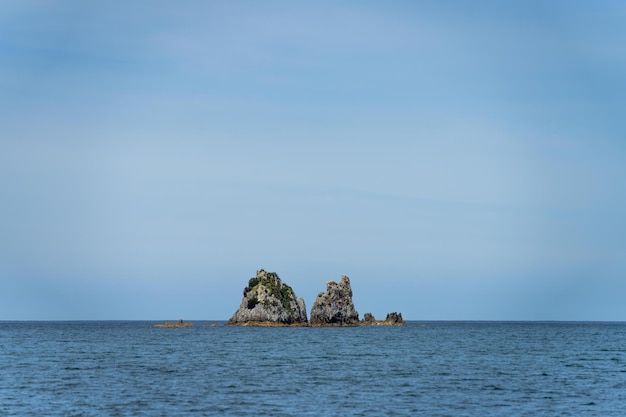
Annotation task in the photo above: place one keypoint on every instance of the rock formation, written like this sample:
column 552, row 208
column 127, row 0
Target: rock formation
column 335, row 307
column 392, row 319
column 267, row 301
column 368, row 318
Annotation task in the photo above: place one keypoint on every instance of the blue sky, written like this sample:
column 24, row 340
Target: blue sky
column 458, row 160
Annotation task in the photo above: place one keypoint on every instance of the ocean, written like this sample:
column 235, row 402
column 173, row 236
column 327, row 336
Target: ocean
column 424, row 369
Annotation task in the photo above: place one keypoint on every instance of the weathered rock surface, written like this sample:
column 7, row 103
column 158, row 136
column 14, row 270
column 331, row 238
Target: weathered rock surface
column 267, row 301
column 368, row 318
column 335, row 307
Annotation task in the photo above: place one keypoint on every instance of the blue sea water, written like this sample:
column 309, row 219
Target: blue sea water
column 423, row 369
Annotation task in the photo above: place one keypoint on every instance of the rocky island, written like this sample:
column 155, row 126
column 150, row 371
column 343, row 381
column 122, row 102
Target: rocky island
column 267, row 301
column 335, row 307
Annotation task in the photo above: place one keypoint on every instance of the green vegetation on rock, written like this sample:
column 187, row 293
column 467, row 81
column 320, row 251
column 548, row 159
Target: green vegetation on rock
column 269, row 302
column 270, row 281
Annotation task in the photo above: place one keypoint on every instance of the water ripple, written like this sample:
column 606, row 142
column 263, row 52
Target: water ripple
column 435, row 369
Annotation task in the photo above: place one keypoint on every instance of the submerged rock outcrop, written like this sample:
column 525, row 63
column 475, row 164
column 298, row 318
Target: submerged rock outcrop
column 267, row 301
column 172, row 325
column 335, row 307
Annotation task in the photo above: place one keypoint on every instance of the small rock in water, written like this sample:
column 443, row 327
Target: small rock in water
column 368, row 318
column 395, row 319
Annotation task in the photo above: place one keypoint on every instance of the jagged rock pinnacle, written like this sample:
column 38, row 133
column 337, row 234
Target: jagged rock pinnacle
column 335, row 307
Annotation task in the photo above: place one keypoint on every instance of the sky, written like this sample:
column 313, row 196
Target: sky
column 457, row 160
